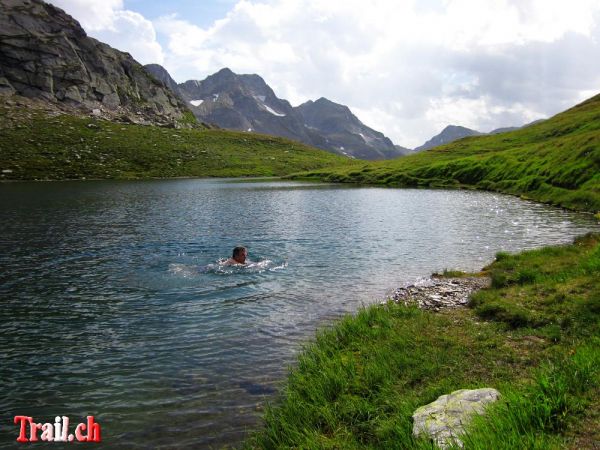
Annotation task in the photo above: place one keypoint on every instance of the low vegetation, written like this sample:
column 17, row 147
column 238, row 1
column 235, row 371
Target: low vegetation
column 556, row 161
column 534, row 336
column 36, row 146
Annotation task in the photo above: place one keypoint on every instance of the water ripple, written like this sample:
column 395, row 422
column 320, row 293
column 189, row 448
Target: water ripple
column 116, row 301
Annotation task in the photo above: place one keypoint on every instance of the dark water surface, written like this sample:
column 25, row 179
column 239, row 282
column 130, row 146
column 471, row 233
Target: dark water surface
column 114, row 305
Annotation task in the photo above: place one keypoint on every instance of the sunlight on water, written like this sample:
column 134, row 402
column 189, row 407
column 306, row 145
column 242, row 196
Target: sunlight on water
column 117, row 301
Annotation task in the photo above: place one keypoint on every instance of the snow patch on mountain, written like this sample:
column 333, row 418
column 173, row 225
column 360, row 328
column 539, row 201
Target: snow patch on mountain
column 272, row 111
column 196, row 102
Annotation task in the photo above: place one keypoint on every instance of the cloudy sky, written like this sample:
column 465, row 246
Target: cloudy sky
column 407, row 68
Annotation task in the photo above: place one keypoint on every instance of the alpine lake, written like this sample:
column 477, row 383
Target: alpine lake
column 115, row 303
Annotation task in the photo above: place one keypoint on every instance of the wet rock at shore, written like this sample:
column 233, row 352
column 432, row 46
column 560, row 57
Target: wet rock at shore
column 438, row 293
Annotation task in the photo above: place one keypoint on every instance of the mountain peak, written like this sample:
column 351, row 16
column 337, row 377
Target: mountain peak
column 449, row 134
column 225, row 71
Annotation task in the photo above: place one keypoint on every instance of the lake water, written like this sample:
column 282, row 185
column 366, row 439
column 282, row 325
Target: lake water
column 114, row 305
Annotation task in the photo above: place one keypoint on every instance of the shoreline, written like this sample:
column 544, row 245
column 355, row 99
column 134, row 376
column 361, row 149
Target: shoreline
column 531, row 330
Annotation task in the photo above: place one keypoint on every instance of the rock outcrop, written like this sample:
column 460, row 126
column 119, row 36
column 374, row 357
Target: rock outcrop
column 445, row 419
column 45, row 54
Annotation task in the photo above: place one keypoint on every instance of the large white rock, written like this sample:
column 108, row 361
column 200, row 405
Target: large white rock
column 446, row 418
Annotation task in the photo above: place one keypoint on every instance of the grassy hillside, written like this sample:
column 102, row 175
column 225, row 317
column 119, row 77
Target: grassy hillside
column 35, row 145
column 534, row 336
column 556, row 161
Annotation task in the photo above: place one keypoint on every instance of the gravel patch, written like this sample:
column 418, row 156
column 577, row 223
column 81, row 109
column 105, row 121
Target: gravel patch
column 440, row 293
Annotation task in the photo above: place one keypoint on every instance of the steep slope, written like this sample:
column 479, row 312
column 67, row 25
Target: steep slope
column 555, row 161
column 161, row 74
column 343, row 132
column 45, row 54
column 449, row 134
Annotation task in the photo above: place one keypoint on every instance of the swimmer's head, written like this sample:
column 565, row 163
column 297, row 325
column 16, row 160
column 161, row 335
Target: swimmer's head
column 240, row 254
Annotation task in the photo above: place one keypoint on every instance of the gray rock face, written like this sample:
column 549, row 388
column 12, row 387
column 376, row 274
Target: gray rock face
column 244, row 103
column 161, row 74
column 247, row 103
column 45, row 54
column 344, row 133
column 445, row 419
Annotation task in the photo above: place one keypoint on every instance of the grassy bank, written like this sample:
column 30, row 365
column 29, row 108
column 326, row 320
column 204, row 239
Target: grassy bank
column 535, row 336
column 34, row 145
column 556, row 161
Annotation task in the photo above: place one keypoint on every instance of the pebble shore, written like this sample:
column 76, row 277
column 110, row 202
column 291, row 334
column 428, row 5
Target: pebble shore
column 440, row 293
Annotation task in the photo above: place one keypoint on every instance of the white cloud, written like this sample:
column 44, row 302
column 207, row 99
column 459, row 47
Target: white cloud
column 124, row 30
column 92, row 15
column 405, row 67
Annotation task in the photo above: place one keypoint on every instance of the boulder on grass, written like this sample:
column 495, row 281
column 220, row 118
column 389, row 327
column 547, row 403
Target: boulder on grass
column 446, row 418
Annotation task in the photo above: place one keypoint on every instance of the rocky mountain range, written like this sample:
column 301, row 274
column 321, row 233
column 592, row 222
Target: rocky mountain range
column 247, row 103
column 45, row 54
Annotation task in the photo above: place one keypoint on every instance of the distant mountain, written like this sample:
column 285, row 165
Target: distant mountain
column 554, row 161
column 247, row 103
column 343, row 132
column 46, row 55
column 452, row 133
column 503, row 130
column 243, row 102
column 403, row 150
column 449, row 134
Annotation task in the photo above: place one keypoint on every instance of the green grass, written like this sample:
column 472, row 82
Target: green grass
column 34, row 145
column 534, row 336
column 556, row 161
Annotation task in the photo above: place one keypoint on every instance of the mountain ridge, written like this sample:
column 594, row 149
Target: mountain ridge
column 245, row 102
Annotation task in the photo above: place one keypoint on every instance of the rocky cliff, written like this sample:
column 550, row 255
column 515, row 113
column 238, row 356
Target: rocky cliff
column 45, row 54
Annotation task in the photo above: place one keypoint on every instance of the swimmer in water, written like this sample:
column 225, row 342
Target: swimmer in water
column 239, row 257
